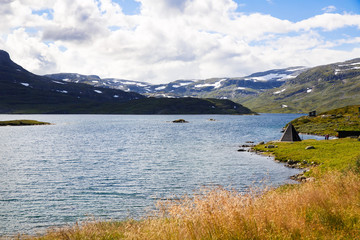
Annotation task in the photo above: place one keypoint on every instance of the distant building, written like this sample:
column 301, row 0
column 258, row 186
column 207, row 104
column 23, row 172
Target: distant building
column 344, row 134
column 290, row 134
column 312, row 114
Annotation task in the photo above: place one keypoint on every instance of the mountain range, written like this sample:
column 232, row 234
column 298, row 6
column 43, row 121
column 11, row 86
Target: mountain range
column 289, row 90
column 24, row 92
column 221, row 88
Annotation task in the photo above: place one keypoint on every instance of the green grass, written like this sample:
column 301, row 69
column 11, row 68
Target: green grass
column 22, row 123
column 346, row 118
column 328, row 155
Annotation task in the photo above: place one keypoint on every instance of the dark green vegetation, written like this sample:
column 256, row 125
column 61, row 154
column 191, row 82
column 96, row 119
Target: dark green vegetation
column 345, row 118
column 320, row 88
column 183, row 106
column 22, row 123
column 24, row 92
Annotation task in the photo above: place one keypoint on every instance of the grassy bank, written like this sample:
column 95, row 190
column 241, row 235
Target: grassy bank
column 336, row 154
column 22, row 123
column 328, row 208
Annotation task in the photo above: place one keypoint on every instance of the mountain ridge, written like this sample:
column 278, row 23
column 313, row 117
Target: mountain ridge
column 222, row 88
column 289, row 90
column 24, row 92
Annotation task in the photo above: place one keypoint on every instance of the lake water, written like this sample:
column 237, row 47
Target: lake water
column 117, row 166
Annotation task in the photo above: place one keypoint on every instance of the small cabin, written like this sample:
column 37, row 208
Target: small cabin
column 312, row 114
column 344, row 134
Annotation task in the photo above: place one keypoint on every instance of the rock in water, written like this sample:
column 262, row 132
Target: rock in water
column 180, row 121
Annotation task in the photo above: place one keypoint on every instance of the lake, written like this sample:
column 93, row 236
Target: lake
column 117, row 166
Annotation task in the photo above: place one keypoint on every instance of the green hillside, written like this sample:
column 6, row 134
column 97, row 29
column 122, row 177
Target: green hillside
column 346, row 118
column 320, row 88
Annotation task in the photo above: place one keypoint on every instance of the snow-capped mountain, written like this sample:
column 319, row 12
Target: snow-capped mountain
column 224, row 88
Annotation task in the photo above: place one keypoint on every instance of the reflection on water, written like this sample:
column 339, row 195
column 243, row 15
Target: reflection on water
column 115, row 166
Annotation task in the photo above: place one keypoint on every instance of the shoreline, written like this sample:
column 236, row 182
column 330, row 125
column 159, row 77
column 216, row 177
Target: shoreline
column 300, row 177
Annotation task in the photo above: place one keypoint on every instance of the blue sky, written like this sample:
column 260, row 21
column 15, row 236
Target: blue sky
column 293, row 10
column 164, row 40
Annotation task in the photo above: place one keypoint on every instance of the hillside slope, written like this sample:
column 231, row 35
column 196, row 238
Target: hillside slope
column 320, row 88
column 23, row 91
column 345, row 118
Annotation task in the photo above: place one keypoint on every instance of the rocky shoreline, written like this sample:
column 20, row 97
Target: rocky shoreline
column 304, row 165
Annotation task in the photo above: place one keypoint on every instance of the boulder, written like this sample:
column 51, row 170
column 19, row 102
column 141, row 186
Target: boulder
column 180, row 121
column 247, row 145
column 270, row 146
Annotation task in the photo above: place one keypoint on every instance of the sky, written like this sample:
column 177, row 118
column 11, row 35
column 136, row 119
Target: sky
column 159, row 41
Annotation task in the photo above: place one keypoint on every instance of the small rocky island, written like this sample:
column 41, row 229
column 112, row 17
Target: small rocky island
column 22, row 123
column 180, row 121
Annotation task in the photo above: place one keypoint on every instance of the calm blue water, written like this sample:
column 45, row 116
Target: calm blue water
column 116, row 166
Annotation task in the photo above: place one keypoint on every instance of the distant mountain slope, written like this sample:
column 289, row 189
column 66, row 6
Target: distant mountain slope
column 178, row 106
column 20, row 89
column 221, row 88
column 320, row 88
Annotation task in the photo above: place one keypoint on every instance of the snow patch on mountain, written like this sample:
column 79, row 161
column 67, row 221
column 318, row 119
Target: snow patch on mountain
column 272, row 76
column 281, row 91
column 218, row 84
column 59, row 82
column 62, row 91
column 98, row 91
column 215, row 85
column 160, row 88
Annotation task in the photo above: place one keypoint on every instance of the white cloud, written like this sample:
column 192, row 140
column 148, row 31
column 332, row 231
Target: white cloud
column 329, row 9
column 329, row 22
column 168, row 40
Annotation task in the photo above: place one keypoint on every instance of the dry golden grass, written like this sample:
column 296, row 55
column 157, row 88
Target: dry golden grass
column 325, row 209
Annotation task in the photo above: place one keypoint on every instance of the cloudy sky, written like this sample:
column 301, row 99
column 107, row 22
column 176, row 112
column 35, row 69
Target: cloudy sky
column 160, row 41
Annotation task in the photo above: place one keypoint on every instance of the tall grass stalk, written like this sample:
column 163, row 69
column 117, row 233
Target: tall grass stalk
column 325, row 209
